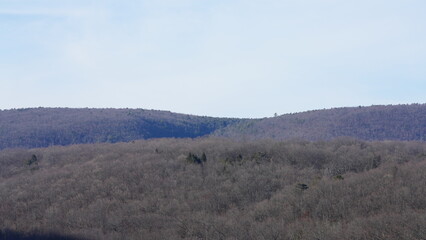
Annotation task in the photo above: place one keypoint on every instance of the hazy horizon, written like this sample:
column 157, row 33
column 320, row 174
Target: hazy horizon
column 165, row 110
column 246, row 59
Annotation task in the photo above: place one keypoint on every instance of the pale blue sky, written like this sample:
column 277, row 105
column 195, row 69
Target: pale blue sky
column 238, row 58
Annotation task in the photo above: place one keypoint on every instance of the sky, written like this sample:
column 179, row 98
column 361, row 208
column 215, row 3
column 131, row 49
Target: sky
column 222, row 58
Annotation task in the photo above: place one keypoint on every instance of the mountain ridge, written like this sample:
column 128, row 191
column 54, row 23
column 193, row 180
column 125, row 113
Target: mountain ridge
column 43, row 127
column 377, row 122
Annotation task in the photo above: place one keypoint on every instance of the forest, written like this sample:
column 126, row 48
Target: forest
column 44, row 127
column 390, row 122
column 216, row 188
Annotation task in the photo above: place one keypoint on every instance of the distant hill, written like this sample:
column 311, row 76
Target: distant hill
column 392, row 122
column 42, row 127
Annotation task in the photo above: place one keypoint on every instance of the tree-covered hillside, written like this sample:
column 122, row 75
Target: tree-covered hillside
column 42, row 127
column 211, row 188
column 393, row 122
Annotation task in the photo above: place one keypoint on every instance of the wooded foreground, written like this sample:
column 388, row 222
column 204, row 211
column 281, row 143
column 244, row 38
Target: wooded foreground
column 214, row 188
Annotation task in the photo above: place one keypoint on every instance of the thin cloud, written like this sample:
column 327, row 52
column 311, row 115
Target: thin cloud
column 46, row 12
column 220, row 58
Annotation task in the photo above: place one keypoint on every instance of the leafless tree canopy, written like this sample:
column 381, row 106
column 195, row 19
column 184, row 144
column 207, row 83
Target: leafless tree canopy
column 393, row 122
column 215, row 188
column 43, row 127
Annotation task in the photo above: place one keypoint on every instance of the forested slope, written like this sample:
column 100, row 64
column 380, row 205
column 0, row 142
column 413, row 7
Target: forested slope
column 212, row 188
column 42, row 127
column 392, row 122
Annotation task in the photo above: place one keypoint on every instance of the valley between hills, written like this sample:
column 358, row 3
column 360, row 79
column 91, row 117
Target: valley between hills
column 343, row 173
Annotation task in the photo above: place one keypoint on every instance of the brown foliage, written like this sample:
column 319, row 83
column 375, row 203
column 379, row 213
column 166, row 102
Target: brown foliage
column 343, row 189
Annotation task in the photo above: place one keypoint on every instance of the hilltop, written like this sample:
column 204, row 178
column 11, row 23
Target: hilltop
column 391, row 122
column 42, row 127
